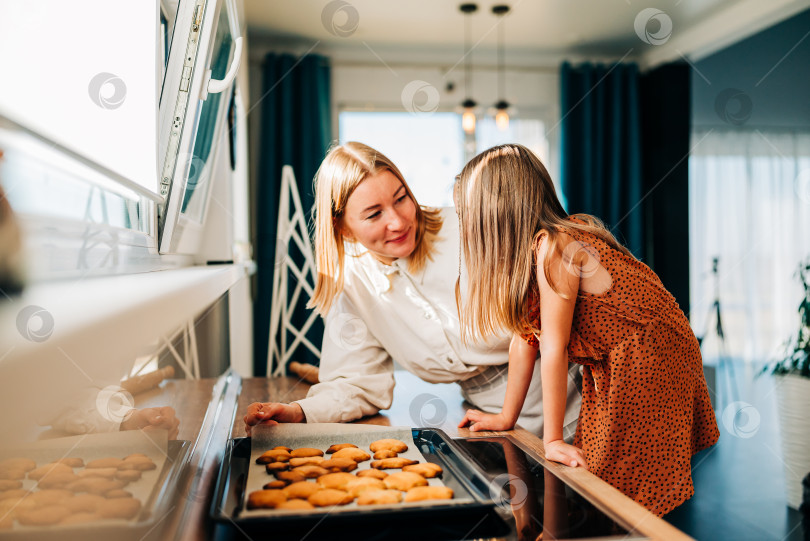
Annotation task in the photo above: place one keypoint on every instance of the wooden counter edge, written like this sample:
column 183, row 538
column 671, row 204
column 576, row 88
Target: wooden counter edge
column 607, row 498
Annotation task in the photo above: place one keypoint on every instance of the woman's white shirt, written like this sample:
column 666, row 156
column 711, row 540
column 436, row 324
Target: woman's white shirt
column 386, row 313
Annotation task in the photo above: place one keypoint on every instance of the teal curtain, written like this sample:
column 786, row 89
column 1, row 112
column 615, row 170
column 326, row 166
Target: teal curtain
column 600, row 147
column 295, row 130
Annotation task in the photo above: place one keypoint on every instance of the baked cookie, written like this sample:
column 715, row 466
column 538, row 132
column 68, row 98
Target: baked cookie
column 281, row 447
column 376, row 474
column 24, row 464
column 109, row 462
column 119, row 508
column 301, row 460
column 295, row 504
column 329, row 497
column 266, row 499
column 9, row 484
column 72, row 462
column 13, row 494
column 135, row 455
column 419, row 494
column 358, row 455
column 106, row 473
column 338, row 464
column 48, row 469
column 339, row 446
column 51, row 496
column 427, row 470
column 273, row 455
column 305, row 451
column 83, row 503
column 128, row 476
column 310, row 471
column 277, row 466
column 336, row 480
column 137, row 464
column 80, row 518
column 278, row 483
column 302, row 490
column 379, row 497
column 289, row 476
column 385, row 453
column 57, row 480
column 404, row 481
column 117, row 493
column 46, row 515
column 388, row 444
column 357, row 486
column 392, row 463
column 95, row 485
column 11, row 474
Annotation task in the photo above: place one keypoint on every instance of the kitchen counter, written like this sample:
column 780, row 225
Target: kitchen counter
column 211, row 411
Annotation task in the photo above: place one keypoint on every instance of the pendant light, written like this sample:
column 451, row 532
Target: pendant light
column 469, row 104
column 501, row 106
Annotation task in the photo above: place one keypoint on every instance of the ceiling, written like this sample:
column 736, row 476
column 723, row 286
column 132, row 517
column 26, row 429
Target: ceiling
column 536, row 31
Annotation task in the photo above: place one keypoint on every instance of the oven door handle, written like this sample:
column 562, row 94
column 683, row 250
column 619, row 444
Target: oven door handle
column 215, row 86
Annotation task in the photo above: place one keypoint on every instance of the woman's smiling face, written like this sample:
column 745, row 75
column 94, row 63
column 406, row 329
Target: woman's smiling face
column 382, row 217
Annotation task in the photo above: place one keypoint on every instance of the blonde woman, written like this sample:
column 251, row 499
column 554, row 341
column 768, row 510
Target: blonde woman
column 645, row 406
column 387, row 269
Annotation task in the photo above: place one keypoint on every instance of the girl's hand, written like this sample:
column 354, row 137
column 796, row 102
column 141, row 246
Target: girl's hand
column 478, row 420
column 272, row 413
column 152, row 418
column 561, row 452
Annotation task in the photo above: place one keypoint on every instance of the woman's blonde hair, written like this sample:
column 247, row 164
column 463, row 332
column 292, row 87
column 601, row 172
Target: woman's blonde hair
column 506, row 201
column 343, row 169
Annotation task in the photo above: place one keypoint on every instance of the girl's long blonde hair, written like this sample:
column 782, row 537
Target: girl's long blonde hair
column 506, row 201
column 343, row 169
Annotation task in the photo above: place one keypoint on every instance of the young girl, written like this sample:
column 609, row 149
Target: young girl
column 564, row 286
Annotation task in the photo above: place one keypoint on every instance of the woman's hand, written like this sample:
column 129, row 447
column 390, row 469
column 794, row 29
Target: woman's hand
column 561, row 452
column 478, row 420
column 272, row 413
column 152, row 418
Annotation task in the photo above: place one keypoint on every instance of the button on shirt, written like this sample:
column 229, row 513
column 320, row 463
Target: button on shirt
column 387, row 313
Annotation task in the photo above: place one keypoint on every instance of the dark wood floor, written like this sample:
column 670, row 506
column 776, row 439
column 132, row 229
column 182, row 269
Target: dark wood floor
column 739, row 483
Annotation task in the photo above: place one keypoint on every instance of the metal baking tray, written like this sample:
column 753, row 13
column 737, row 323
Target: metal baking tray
column 153, row 511
column 474, row 518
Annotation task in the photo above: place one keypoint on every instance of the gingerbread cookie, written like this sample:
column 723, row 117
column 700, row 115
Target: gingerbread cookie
column 24, row 464
column 388, row 444
column 385, row 453
column 8, row 484
column 13, row 494
column 302, row 490
column 377, row 474
column 358, row 455
column 57, row 480
column 404, row 480
column 72, row 462
column 11, row 474
column 301, row 460
column 128, row 476
column 274, row 455
column 310, row 471
column 266, row 499
column 277, row 466
column 357, row 486
column 274, row 484
column 418, row 494
column 48, row 469
column 51, row 496
column 109, row 462
column 339, row 446
column 305, row 451
column 338, row 464
column 426, row 470
column 282, row 447
column 379, row 497
column 95, row 485
column 329, row 497
column 295, row 504
column 137, row 464
column 46, row 515
column 392, row 463
column 106, row 473
column 83, row 503
column 289, row 476
column 335, row 480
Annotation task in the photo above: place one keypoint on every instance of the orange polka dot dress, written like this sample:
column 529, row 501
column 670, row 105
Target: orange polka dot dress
column 645, row 404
